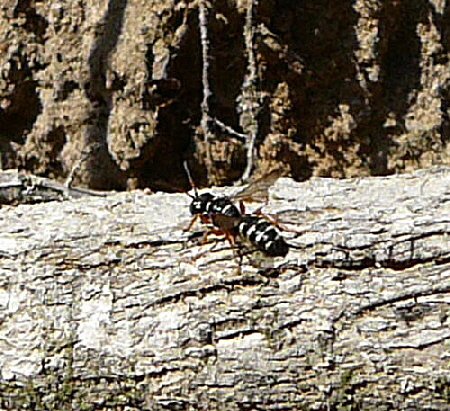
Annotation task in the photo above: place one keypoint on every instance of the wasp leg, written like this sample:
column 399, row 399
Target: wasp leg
column 241, row 207
column 212, row 231
column 271, row 218
column 259, row 212
column 193, row 220
column 203, row 253
column 228, row 235
column 203, row 218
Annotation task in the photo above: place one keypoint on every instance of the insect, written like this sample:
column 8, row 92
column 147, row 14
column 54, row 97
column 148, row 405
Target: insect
column 263, row 234
column 232, row 221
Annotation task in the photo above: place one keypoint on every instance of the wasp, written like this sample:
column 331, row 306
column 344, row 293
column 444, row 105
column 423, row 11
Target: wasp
column 229, row 220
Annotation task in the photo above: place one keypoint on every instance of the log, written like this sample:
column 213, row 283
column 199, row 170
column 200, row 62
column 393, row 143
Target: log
column 106, row 303
column 18, row 187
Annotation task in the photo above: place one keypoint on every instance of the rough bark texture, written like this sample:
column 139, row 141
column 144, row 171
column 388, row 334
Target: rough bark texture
column 105, row 303
column 342, row 88
column 23, row 188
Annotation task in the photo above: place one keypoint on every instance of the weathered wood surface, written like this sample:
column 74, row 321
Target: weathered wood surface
column 23, row 188
column 103, row 306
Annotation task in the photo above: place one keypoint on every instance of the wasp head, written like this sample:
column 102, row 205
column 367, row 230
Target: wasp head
column 199, row 203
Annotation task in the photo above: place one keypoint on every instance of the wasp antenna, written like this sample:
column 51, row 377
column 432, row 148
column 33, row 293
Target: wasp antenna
column 191, row 181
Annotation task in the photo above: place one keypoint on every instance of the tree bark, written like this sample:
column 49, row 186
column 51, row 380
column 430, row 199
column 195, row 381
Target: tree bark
column 106, row 303
column 114, row 88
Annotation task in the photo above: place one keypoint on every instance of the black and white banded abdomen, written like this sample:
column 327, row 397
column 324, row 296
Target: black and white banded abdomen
column 263, row 235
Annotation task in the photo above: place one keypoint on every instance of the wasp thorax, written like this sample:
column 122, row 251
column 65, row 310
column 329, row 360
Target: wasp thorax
column 223, row 205
column 200, row 203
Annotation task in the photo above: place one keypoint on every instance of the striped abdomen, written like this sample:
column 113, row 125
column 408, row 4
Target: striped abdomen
column 263, row 235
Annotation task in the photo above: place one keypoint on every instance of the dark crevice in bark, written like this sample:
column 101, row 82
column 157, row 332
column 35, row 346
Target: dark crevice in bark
column 420, row 292
column 106, row 173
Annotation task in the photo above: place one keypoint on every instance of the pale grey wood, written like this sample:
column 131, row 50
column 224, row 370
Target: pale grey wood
column 23, row 188
column 107, row 299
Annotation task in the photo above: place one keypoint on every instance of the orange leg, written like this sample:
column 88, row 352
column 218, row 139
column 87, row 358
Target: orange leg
column 272, row 219
column 208, row 233
column 193, row 220
column 204, row 219
column 241, row 207
column 269, row 217
column 258, row 211
column 229, row 236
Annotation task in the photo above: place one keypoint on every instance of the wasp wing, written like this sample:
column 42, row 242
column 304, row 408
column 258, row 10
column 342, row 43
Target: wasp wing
column 257, row 190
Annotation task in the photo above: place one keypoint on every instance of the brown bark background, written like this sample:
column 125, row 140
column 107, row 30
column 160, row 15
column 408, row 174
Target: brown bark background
column 341, row 88
column 105, row 303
